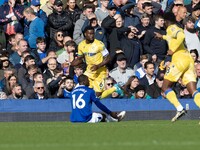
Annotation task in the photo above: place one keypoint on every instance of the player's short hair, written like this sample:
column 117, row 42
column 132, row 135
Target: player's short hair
column 169, row 16
column 82, row 78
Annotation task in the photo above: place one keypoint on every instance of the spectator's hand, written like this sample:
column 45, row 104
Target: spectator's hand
column 133, row 29
column 158, row 35
column 94, row 67
column 170, row 52
column 13, row 18
column 117, row 16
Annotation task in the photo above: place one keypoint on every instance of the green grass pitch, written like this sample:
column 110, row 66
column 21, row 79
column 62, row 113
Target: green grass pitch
column 127, row 135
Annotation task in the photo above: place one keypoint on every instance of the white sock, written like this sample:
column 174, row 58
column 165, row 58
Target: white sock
column 179, row 108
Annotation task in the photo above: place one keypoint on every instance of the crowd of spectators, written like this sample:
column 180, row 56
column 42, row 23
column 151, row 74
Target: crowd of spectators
column 38, row 45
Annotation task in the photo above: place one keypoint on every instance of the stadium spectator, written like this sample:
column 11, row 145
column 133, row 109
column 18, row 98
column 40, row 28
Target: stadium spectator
column 130, row 86
column 109, row 22
column 197, row 69
column 73, row 11
column 82, row 112
column 181, row 14
column 195, row 55
column 78, row 70
column 100, row 33
column 28, row 60
column 59, row 20
column 102, row 11
column 155, row 47
column 17, row 92
column 27, row 82
column 195, row 12
column 11, row 17
column 149, row 76
column 191, row 5
column 130, row 19
column 66, row 55
column 48, row 7
column 96, row 57
column 65, row 87
column 52, row 76
column 140, row 93
column 154, row 90
column 87, row 14
column 3, row 95
column 139, row 67
column 11, row 44
column 191, row 38
column 12, row 80
column 15, row 57
column 6, row 74
column 121, row 73
column 56, row 42
column 39, row 91
column 148, row 9
column 132, row 48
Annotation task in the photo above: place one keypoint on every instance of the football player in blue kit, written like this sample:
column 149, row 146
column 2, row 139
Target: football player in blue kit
column 82, row 98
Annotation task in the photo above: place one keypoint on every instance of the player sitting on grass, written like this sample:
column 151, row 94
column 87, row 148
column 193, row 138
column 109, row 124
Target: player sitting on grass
column 82, row 98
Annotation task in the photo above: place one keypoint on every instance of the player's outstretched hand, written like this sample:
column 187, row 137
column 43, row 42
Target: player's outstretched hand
column 94, row 67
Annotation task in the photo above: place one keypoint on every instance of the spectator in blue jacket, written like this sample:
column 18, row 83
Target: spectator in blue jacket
column 36, row 28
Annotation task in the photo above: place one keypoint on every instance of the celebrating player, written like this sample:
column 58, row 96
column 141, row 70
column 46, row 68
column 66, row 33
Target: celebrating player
column 82, row 97
column 181, row 66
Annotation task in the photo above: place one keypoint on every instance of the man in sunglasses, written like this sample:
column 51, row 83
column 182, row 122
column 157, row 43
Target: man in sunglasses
column 59, row 20
column 39, row 91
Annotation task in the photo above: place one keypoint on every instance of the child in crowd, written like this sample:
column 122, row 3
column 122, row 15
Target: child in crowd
column 140, row 93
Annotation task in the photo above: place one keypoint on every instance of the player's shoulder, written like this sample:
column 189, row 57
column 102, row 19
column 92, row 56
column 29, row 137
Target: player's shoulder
column 174, row 28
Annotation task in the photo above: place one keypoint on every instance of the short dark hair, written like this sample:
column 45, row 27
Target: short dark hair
column 82, row 78
column 88, row 28
column 87, row 7
column 148, row 63
column 169, row 16
column 146, row 4
column 29, row 57
column 32, row 67
column 157, row 17
column 40, row 40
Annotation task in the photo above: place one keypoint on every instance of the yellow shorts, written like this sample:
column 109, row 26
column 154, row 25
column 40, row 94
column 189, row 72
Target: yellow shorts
column 181, row 66
column 97, row 79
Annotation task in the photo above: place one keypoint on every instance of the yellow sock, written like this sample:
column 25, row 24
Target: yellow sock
column 171, row 96
column 197, row 99
column 108, row 92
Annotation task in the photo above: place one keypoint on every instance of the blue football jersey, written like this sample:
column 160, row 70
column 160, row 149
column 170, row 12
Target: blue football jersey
column 81, row 101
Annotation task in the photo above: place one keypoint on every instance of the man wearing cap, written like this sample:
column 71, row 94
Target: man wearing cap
column 121, row 73
column 110, row 21
column 59, row 20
